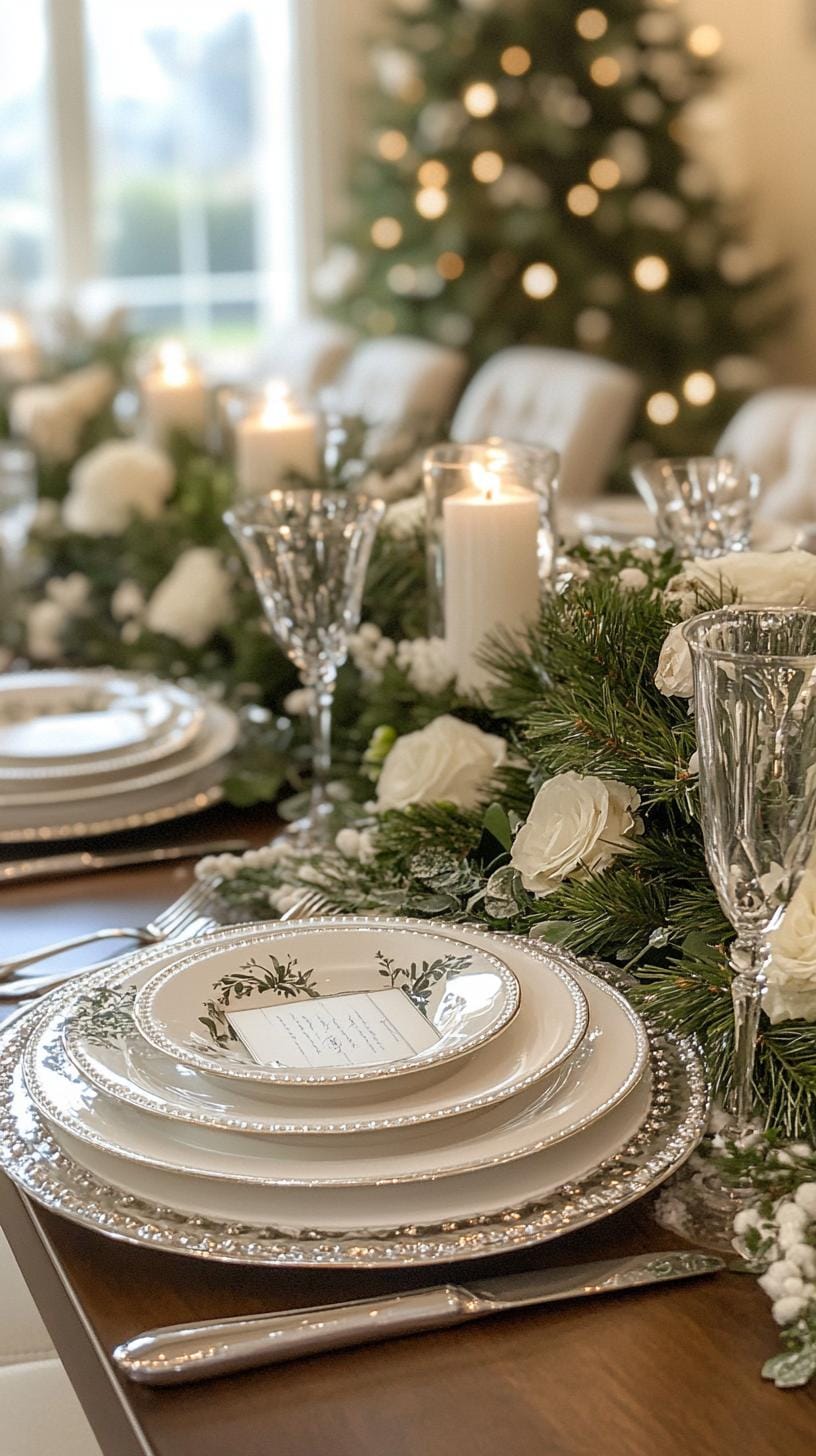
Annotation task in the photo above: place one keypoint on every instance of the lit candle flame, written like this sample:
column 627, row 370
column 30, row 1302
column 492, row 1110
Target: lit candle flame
column 277, row 403
column 174, row 364
column 486, row 481
column 11, row 333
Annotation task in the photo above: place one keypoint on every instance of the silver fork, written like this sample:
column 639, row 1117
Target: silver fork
column 185, row 926
column 164, row 926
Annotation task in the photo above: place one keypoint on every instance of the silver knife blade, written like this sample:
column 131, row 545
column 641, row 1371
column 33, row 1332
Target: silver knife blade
column 84, row 862
column 174, row 1354
column 514, row 1291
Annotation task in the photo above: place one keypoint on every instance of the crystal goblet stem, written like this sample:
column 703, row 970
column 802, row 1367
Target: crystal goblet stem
column 747, row 959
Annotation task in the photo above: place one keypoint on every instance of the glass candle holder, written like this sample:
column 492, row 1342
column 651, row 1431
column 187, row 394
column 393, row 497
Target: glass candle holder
column 490, row 543
column 173, row 395
column 703, row 505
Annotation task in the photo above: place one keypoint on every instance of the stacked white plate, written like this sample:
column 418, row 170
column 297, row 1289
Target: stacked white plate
column 344, row 1091
column 92, row 751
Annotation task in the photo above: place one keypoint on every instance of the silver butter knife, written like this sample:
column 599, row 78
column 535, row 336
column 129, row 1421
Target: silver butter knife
column 83, row 862
column 174, row 1354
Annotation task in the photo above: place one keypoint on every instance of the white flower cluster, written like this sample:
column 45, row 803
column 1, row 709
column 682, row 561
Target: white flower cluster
column 194, row 599
column 576, row 826
column 65, row 598
column 426, row 664
column 788, row 1246
column 113, row 484
column 791, row 970
column 370, row 652
column 51, row 417
column 356, row 844
column 405, row 517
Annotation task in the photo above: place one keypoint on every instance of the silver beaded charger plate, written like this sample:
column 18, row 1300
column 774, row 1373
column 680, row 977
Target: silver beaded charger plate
column 673, row 1124
column 52, row 833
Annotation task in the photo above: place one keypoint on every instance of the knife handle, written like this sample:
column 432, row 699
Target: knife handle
column 178, row 1353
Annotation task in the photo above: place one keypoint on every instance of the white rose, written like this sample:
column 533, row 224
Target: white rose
column 426, row 664
column 114, row 483
column 674, row 677
column 449, row 760
column 194, row 598
column 758, row 578
column 791, row 970
column 576, row 826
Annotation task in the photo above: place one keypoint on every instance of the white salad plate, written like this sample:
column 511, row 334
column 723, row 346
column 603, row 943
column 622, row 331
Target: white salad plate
column 606, row 1068
column 124, row 806
column 217, row 735
column 60, row 724
column 102, row 1040
column 600, row 1170
column 326, row 1004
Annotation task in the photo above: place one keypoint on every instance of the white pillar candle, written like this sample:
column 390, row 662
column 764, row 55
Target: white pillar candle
column 490, row 531
column 273, row 442
column 174, row 396
column 19, row 355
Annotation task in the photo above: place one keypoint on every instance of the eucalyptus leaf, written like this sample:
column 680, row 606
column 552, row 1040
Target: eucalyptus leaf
column 558, row 932
column 497, row 823
column 792, row 1369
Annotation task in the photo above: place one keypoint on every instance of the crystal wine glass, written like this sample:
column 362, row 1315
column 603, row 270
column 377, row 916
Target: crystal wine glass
column 703, row 505
column 308, row 551
column 755, row 708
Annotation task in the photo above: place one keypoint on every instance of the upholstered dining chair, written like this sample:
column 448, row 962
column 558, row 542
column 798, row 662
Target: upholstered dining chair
column 308, row 354
column 775, row 434
column 579, row 405
column 389, row 380
column 40, row 1412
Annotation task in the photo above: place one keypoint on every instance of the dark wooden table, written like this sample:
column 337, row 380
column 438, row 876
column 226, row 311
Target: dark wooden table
column 665, row 1372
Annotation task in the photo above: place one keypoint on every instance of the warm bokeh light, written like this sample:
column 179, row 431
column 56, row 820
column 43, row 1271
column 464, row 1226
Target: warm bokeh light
column 392, row 145
column 487, row 166
column 699, row 387
column 450, row 266
column 433, row 174
column 704, row 41
column 515, row 61
column 662, row 408
column 539, row 280
column 582, row 200
column 431, row 202
column 386, row 232
column 480, row 98
column 591, row 24
column 605, row 173
column 651, row 273
column 605, row 71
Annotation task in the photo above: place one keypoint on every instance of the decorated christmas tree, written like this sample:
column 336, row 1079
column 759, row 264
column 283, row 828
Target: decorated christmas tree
column 526, row 178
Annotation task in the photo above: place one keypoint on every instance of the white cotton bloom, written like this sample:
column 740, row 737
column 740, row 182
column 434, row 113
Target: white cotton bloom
column 268, row 856
column 791, row 970
column 805, row 1197
column 576, row 826
column 370, row 651
column 404, row 518
column 113, row 484
column 194, row 599
column 631, row 578
column 448, row 761
column 127, row 601
column 355, row 844
column 45, row 625
column 747, row 1218
column 299, row 702
column 804, row 1257
column 789, row 1308
column 426, row 663
column 790, row 1214
column 758, row 578
column 674, row 677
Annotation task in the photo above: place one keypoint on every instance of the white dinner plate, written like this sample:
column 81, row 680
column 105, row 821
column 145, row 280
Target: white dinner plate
column 328, row 1004
column 216, row 736
column 112, row 1055
column 602, row 1073
column 57, row 724
column 128, row 808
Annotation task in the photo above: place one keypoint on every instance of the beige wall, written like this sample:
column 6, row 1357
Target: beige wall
column 762, row 136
